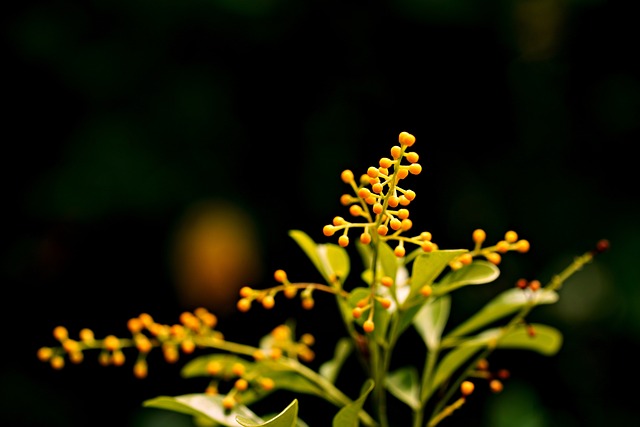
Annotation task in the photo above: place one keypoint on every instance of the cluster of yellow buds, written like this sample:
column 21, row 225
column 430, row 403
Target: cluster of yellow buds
column 242, row 374
column 266, row 297
column 381, row 202
column 510, row 242
column 145, row 335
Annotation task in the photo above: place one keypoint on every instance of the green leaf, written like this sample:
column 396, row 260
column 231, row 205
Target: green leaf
column 506, row 303
column 404, row 384
column 331, row 368
column 203, row 406
column 387, row 260
column 348, row 415
column 431, row 320
column 477, row 273
column 427, row 267
column 546, row 339
column 287, row 418
column 291, row 380
column 330, row 259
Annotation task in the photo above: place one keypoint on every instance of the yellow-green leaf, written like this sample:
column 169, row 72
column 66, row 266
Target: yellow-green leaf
column 477, row 273
column 348, row 415
column 404, row 384
column 506, row 303
column 287, row 418
column 204, row 407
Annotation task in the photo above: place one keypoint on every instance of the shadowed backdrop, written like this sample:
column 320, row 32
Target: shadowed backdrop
column 157, row 153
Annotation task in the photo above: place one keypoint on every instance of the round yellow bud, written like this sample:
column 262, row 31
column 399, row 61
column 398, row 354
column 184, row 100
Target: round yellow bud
column 511, row 236
column 111, row 343
column 328, row 230
column 466, row 388
column 399, row 251
column 268, row 302
column 522, row 246
column 228, row 402
column 86, row 335
column 479, row 235
column 140, row 369
column 60, row 333
column 57, row 362
column 365, row 238
column 496, row 386
column 338, row 220
column 415, row 168
column 368, row 326
column 385, row 163
column 267, row 383
column 412, row 157
column 44, row 354
column 307, row 303
column 354, row 210
column 135, row 325
column 238, row 369
column 493, row 257
column 243, row 305
column 343, row 241
column 214, row 368
column 241, row 384
column 406, row 138
column 426, row 291
column 346, row 176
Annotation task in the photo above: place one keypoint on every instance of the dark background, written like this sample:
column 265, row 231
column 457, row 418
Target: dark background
column 156, row 153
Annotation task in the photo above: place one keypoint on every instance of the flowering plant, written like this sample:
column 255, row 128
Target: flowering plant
column 406, row 282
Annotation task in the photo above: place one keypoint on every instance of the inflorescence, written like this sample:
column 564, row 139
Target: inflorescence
column 379, row 206
column 196, row 330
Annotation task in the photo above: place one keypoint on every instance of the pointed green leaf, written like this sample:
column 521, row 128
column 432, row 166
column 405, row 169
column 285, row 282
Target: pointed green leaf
column 336, row 260
column 287, row 418
column 204, row 407
column 546, row 339
column 309, row 247
column 506, row 303
column 388, row 261
column 431, row 320
column 406, row 316
column 292, row 381
column 428, row 266
column 477, row 273
column 348, row 415
column 404, row 384
column 331, row 368
column 330, row 259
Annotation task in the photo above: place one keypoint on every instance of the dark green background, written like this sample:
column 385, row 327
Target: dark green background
column 121, row 114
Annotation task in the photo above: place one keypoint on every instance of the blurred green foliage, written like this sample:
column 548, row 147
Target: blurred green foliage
column 123, row 114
